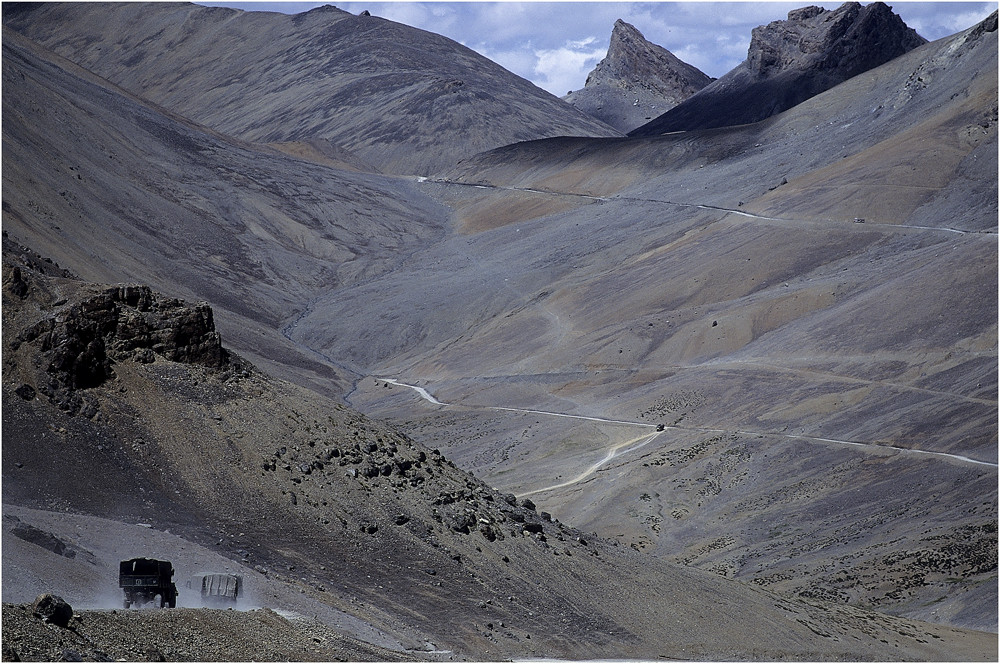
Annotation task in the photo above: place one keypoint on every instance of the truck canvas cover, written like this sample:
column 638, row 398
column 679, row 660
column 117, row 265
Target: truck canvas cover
column 221, row 585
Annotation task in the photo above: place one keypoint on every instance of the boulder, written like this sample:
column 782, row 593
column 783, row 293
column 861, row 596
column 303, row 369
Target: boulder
column 52, row 609
column 25, row 391
column 463, row 522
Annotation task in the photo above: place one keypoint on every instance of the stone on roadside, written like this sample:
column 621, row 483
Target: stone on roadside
column 52, row 609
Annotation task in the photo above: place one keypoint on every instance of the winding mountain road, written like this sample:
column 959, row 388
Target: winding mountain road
column 636, row 443
column 613, row 452
column 700, row 206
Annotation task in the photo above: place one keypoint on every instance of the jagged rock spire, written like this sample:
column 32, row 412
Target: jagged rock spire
column 637, row 80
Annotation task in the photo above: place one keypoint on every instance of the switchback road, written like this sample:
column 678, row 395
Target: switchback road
column 622, row 448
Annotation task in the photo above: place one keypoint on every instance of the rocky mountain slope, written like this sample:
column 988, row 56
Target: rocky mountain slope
column 790, row 61
column 125, row 192
column 299, row 493
column 636, row 81
column 402, row 99
column 775, row 418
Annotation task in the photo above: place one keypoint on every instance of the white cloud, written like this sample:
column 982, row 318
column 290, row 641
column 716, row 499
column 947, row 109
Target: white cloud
column 563, row 69
column 580, row 44
column 933, row 21
column 521, row 61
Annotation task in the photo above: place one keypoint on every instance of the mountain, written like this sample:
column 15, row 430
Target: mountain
column 716, row 282
column 789, row 62
column 720, row 394
column 636, row 81
column 401, row 99
column 193, row 213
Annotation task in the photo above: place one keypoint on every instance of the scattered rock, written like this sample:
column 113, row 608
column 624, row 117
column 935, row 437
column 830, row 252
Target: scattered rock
column 25, row 391
column 14, row 282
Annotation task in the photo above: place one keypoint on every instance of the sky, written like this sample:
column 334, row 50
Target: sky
column 556, row 44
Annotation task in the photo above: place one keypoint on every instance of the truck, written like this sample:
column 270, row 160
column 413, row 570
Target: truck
column 218, row 589
column 144, row 580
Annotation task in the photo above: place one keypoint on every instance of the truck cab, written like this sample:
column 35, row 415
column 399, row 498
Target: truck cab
column 144, row 580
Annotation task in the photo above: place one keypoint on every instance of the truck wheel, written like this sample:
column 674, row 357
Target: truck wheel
column 127, row 603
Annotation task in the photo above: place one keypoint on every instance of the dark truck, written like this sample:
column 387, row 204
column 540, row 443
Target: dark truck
column 219, row 590
column 145, row 579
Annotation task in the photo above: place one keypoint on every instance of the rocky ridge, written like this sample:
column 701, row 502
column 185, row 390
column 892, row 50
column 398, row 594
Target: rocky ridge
column 790, row 61
column 636, row 81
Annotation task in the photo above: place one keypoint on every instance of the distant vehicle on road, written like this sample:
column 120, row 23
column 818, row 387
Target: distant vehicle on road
column 145, row 579
column 218, row 589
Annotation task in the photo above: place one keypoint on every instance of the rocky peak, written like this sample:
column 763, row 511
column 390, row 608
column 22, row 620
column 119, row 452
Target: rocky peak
column 850, row 39
column 634, row 61
column 637, row 80
column 792, row 60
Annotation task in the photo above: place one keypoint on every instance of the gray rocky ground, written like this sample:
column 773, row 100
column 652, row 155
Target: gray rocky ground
column 384, row 546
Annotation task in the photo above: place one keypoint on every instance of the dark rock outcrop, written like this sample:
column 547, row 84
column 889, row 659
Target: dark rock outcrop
column 124, row 322
column 80, row 344
column 790, row 61
column 47, row 541
column 14, row 282
column 637, row 80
